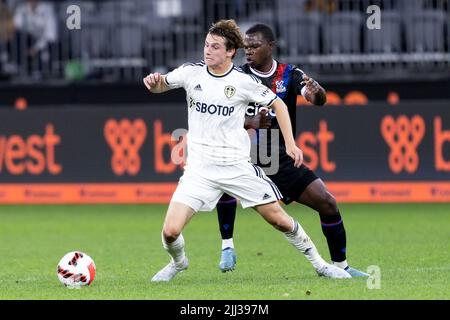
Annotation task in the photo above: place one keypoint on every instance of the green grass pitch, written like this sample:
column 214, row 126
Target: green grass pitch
column 408, row 242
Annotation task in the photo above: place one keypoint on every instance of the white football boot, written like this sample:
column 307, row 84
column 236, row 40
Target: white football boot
column 332, row 271
column 168, row 272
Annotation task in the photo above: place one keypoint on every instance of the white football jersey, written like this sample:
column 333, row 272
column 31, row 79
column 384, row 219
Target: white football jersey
column 216, row 111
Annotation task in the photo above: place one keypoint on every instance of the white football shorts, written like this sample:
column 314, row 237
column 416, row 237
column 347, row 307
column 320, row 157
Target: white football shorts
column 201, row 186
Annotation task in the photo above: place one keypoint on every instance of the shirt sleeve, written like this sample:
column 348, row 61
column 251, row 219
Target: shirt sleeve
column 177, row 77
column 258, row 93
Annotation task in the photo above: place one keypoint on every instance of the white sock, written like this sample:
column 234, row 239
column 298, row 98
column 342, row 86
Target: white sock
column 175, row 249
column 300, row 240
column 342, row 264
column 227, row 243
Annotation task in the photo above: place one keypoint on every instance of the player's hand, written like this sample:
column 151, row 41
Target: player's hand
column 258, row 121
column 153, row 80
column 295, row 153
column 311, row 85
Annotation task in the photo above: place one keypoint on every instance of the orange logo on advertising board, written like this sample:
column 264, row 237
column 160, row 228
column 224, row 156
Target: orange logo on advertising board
column 307, row 141
column 403, row 136
column 34, row 154
column 175, row 142
column 125, row 139
column 440, row 138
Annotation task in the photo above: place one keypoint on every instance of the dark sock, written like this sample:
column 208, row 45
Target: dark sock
column 334, row 231
column 226, row 213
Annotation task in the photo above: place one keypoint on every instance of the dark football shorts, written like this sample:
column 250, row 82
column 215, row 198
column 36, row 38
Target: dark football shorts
column 292, row 181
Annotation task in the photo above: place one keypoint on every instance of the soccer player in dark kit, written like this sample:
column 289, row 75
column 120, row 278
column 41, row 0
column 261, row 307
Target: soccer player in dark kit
column 296, row 184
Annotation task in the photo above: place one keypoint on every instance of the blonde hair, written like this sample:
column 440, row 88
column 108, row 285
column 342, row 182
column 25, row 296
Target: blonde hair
column 229, row 30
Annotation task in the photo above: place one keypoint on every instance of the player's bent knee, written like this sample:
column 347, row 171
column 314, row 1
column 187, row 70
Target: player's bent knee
column 328, row 205
column 170, row 234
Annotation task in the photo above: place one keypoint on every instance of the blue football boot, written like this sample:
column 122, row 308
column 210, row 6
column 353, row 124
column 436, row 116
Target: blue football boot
column 227, row 260
column 355, row 272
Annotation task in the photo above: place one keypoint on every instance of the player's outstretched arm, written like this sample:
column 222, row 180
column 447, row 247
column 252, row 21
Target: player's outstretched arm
column 284, row 121
column 155, row 82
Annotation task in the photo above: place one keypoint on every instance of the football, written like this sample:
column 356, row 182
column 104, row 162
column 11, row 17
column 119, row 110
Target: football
column 76, row 269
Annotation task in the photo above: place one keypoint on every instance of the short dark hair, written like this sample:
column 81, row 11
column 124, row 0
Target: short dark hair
column 264, row 29
column 230, row 31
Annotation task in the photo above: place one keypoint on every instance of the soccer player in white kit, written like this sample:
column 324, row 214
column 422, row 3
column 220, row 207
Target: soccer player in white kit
column 218, row 148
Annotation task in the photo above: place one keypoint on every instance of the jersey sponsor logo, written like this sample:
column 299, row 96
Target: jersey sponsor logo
column 198, row 87
column 229, row 91
column 253, row 109
column 280, row 87
column 211, row 108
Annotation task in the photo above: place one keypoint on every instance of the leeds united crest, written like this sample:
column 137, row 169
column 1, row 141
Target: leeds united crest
column 229, row 91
